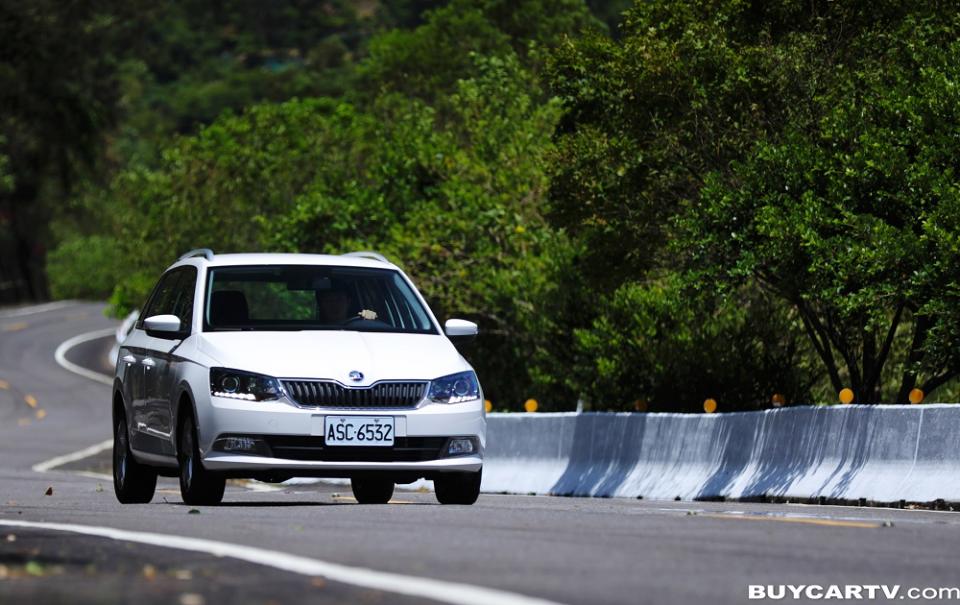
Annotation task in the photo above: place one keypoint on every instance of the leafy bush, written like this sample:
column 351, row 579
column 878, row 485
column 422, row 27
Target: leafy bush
column 659, row 344
column 85, row 267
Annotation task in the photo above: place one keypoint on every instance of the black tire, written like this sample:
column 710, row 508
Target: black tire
column 133, row 483
column 372, row 490
column 198, row 486
column 458, row 488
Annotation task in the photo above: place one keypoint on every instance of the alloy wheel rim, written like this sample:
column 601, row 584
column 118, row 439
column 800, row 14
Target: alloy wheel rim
column 188, row 456
column 120, row 457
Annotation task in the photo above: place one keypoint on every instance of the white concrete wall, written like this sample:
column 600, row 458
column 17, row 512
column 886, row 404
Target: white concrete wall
column 880, row 453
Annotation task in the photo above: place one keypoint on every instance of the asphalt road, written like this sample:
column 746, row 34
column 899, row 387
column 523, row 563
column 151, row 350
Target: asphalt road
column 564, row 550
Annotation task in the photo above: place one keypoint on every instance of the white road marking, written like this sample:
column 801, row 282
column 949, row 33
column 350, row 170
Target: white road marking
column 61, row 355
column 259, row 486
column 427, row 588
column 32, row 309
column 86, row 452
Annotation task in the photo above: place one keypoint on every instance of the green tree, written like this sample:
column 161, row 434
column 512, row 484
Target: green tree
column 660, row 344
column 58, row 95
column 852, row 220
column 427, row 62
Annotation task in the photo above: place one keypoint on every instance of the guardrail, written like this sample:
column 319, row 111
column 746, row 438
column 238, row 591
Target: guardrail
column 836, row 453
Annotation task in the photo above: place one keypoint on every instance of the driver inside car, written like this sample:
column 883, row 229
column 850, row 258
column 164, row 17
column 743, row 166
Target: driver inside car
column 333, row 305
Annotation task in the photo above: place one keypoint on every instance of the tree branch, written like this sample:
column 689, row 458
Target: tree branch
column 822, row 346
column 909, row 380
column 934, row 383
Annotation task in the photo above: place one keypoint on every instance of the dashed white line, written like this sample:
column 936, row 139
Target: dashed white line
column 93, row 450
column 426, row 588
column 33, row 309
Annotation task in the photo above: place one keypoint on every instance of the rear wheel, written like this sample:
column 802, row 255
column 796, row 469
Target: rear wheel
column 134, row 483
column 197, row 484
column 458, row 488
column 372, row 491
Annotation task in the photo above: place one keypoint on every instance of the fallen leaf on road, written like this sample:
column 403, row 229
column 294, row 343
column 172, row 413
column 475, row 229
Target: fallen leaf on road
column 150, row 572
column 49, row 491
column 191, row 598
column 33, row 568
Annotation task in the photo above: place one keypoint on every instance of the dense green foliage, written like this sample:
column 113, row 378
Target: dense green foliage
column 796, row 150
column 848, row 218
column 707, row 198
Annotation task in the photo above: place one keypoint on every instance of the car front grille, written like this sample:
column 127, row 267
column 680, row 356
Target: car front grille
column 322, row 393
column 404, row 449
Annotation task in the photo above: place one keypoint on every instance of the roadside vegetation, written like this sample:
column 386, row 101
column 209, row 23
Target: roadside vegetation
column 643, row 205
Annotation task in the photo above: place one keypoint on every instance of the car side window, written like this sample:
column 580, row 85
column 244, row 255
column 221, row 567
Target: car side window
column 160, row 297
column 173, row 295
column 184, row 295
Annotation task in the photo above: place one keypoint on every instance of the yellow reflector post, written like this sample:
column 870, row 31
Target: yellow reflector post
column 710, row 406
column 488, row 405
column 778, row 400
column 530, row 405
column 846, row 396
column 916, row 396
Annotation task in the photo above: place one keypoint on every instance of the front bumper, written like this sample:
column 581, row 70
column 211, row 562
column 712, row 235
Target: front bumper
column 283, row 420
column 259, row 465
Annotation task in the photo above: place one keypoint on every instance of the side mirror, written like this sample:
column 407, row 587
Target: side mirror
column 163, row 326
column 460, row 331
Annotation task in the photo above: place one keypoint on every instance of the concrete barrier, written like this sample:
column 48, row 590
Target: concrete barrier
column 876, row 453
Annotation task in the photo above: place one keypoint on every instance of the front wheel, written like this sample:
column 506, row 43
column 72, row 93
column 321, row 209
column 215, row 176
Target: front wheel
column 458, row 488
column 197, row 484
column 133, row 483
column 372, row 491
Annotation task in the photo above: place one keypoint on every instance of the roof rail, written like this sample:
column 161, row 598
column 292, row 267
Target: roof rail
column 206, row 253
column 368, row 254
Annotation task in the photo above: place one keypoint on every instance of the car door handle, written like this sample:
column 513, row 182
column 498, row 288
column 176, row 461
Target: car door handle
column 148, row 362
column 129, row 359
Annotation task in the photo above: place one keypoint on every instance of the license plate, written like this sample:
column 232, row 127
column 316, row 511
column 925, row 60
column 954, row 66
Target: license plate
column 358, row 430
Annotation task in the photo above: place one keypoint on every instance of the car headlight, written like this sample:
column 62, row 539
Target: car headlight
column 455, row 388
column 248, row 386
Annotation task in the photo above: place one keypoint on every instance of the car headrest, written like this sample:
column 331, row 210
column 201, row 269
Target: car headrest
column 228, row 307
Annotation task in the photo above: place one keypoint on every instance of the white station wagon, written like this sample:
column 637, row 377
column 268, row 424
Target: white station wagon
column 272, row 366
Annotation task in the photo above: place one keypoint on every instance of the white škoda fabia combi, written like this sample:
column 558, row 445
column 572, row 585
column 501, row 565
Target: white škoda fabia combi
column 272, row 366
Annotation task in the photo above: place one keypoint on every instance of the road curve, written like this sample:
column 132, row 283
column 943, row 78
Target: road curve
column 558, row 549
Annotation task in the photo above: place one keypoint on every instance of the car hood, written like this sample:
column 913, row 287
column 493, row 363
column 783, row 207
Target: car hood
column 334, row 354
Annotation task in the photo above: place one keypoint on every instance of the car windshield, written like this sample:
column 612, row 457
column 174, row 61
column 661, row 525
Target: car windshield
column 313, row 298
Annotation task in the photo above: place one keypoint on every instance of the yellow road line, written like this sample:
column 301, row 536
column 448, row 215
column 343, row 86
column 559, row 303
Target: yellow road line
column 15, row 327
column 31, row 400
column 803, row 520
